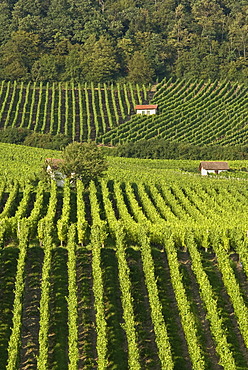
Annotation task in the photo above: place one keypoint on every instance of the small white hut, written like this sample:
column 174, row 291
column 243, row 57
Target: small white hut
column 213, row 167
column 54, row 172
column 146, row 109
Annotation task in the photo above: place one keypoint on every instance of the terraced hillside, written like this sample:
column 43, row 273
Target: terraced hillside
column 189, row 111
column 193, row 112
column 82, row 112
column 146, row 269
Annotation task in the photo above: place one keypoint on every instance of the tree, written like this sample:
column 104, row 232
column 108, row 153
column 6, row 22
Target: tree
column 48, row 68
column 18, row 55
column 27, row 15
column 84, row 161
column 100, row 60
column 238, row 33
column 5, row 22
column 139, row 69
column 180, row 36
column 154, row 49
column 73, row 65
column 14, row 135
column 210, row 20
column 47, row 141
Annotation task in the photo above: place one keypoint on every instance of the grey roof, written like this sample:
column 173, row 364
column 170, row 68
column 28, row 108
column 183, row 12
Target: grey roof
column 214, row 165
column 54, row 162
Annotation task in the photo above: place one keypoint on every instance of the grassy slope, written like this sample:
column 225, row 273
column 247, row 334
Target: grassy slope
column 22, row 162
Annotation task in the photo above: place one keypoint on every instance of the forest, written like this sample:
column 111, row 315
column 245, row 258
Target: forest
column 123, row 40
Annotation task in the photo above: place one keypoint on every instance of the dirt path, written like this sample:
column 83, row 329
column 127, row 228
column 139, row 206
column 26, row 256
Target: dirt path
column 154, row 88
column 239, row 350
column 31, row 315
column 199, row 310
column 86, row 314
column 146, row 337
column 170, row 311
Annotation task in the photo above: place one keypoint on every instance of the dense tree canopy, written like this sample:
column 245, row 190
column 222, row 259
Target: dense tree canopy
column 107, row 40
column 84, row 161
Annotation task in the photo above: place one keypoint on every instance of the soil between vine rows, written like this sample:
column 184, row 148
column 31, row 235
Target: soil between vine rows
column 117, row 342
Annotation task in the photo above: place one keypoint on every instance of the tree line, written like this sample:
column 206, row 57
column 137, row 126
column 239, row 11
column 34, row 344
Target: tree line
column 153, row 148
column 163, row 149
column 109, row 40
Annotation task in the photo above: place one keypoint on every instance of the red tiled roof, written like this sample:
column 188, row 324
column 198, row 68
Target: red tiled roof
column 149, row 106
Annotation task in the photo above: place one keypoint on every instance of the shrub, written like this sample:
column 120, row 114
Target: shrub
column 14, row 135
column 47, row 141
column 83, row 161
column 162, row 149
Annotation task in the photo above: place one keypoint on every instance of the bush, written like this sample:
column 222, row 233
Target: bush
column 83, row 161
column 162, row 149
column 14, row 135
column 17, row 135
column 47, row 141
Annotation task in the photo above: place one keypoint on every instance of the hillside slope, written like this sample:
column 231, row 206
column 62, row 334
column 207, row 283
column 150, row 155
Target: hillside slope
column 193, row 112
column 190, row 111
column 145, row 269
column 81, row 111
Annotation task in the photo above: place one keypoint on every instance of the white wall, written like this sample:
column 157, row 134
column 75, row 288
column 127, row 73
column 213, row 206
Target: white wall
column 146, row 111
column 59, row 177
column 205, row 172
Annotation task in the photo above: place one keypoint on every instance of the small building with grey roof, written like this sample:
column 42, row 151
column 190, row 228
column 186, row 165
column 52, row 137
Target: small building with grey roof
column 207, row 167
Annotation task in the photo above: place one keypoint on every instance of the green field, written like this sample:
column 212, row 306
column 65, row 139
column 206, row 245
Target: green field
column 190, row 111
column 193, row 112
column 146, row 269
column 81, row 111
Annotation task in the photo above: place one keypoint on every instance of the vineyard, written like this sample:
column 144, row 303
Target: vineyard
column 146, row 269
column 193, row 112
column 83, row 112
column 189, row 111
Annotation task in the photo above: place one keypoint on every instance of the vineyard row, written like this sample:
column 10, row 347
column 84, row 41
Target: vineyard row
column 83, row 112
